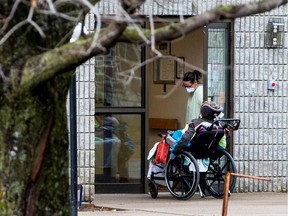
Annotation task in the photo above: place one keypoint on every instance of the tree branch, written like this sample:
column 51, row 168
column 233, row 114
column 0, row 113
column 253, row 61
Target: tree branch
column 176, row 30
column 59, row 60
column 44, row 67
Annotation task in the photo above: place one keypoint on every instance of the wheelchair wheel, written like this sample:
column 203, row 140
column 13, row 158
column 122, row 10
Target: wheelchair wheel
column 153, row 189
column 214, row 178
column 182, row 176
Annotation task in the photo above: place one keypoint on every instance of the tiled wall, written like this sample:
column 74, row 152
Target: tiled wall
column 261, row 144
column 85, row 127
column 85, row 105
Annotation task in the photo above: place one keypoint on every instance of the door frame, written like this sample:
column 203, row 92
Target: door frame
column 229, row 71
column 229, row 76
column 106, row 188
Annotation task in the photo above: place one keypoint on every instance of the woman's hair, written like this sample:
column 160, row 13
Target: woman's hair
column 192, row 76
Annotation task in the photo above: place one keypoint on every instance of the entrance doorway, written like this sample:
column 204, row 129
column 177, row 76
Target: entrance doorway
column 121, row 141
column 206, row 49
column 119, row 121
column 218, row 65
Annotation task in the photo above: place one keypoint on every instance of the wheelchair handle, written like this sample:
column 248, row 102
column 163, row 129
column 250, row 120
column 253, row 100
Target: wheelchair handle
column 161, row 135
column 234, row 126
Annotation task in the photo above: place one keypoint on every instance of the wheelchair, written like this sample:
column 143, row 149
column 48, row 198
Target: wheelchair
column 182, row 175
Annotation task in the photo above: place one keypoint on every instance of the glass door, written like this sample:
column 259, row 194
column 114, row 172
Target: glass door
column 218, row 65
column 219, row 77
column 119, row 121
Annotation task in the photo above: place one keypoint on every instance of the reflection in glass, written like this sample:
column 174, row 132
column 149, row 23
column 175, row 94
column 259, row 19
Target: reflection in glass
column 117, row 140
column 217, row 65
column 118, row 77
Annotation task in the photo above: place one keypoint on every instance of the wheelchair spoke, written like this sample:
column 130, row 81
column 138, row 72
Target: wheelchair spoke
column 214, row 178
column 175, row 184
column 181, row 176
column 210, row 183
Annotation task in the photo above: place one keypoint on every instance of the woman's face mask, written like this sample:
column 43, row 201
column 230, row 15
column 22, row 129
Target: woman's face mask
column 190, row 89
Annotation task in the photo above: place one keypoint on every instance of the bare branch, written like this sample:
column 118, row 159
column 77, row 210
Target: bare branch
column 12, row 30
column 29, row 19
column 62, row 15
column 95, row 11
column 130, row 20
column 176, row 30
column 20, row 24
column 72, row 55
column 51, row 6
column 2, row 75
column 11, row 15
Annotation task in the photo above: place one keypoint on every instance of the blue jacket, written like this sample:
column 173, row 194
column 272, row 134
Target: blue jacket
column 183, row 140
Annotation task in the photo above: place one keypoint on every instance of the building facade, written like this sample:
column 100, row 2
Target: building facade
column 247, row 73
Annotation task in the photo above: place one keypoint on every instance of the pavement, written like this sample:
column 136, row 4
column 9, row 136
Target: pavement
column 248, row 204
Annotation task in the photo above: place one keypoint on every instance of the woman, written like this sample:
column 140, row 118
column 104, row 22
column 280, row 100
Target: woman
column 195, row 90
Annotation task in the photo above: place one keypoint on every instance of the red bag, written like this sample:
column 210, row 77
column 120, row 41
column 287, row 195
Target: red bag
column 162, row 152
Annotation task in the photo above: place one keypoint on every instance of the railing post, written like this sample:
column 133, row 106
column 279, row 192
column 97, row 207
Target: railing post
column 226, row 191
column 226, row 188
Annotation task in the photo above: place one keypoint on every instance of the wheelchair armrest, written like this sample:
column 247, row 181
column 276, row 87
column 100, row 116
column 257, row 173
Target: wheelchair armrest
column 233, row 126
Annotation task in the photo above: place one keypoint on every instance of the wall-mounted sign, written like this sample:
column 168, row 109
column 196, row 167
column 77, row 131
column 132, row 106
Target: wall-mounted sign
column 164, row 71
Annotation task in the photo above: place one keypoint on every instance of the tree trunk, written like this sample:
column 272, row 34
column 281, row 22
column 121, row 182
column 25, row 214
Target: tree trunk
column 34, row 151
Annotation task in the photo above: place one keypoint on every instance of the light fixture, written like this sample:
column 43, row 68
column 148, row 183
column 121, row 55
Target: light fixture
column 275, row 33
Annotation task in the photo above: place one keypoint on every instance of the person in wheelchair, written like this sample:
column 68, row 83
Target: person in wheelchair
column 208, row 112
